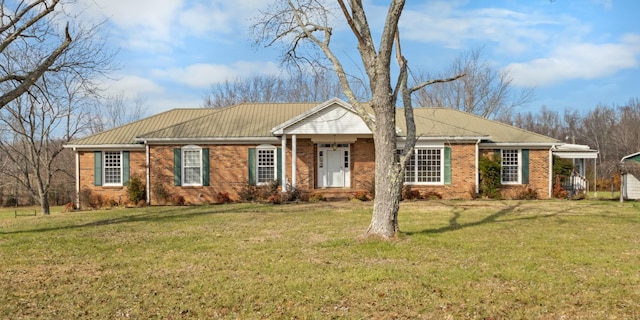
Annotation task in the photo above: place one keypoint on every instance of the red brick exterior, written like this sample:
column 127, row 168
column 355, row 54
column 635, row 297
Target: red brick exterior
column 108, row 194
column 228, row 169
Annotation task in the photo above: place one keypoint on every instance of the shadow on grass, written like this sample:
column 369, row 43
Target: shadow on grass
column 493, row 218
column 148, row 215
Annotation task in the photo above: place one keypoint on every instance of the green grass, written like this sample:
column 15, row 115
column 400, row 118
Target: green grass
column 454, row 260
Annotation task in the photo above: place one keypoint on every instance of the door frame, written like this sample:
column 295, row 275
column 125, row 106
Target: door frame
column 322, row 164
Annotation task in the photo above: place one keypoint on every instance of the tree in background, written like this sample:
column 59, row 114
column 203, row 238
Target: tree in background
column 34, row 126
column 317, row 86
column 483, row 90
column 28, row 29
column 303, row 28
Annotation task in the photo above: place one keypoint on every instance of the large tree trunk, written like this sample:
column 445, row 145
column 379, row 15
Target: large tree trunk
column 384, row 220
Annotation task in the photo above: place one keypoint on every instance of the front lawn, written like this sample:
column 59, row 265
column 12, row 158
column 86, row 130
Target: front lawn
column 454, row 260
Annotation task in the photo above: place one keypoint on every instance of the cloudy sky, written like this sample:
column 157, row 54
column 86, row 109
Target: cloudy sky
column 576, row 54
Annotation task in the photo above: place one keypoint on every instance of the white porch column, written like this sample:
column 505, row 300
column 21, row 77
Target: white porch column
column 77, row 199
column 294, row 157
column 283, row 179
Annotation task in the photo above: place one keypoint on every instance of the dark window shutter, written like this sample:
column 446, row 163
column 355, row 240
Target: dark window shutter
column 97, row 168
column 125, row 168
column 279, row 166
column 525, row 166
column 447, row 165
column 205, row 166
column 252, row 166
column 497, row 154
column 177, row 167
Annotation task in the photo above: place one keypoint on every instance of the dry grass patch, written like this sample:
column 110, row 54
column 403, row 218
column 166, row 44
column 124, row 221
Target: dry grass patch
column 455, row 259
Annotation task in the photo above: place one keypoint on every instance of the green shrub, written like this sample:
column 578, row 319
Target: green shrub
column 490, row 171
column 136, row 190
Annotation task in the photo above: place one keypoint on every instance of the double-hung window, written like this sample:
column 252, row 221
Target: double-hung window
column 112, row 168
column 510, row 166
column 191, row 166
column 425, row 166
column 266, row 165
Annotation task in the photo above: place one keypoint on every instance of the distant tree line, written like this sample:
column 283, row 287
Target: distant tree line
column 613, row 130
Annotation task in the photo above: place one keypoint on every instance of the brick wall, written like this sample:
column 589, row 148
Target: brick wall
column 229, row 173
column 538, row 174
column 108, row 193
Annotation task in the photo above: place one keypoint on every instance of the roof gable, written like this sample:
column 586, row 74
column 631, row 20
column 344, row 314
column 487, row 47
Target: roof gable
column 332, row 117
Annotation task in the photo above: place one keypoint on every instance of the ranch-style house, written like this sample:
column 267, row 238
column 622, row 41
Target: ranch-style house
column 198, row 153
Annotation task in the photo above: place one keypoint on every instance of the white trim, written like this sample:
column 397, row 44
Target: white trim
column 257, row 162
column 101, row 147
column 279, row 129
column 323, row 165
column 77, row 178
column 519, row 180
column 104, row 170
column 442, row 168
column 550, row 174
column 521, row 145
column 147, row 173
column 294, row 159
column 283, row 182
column 182, row 165
column 241, row 140
column 477, row 172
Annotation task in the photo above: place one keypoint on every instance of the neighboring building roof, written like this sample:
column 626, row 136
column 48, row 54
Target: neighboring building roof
column 632, row 157
column 575, row 151
column 259, row 120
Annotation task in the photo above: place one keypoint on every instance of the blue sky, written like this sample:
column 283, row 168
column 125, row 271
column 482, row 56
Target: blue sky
column 575, row 53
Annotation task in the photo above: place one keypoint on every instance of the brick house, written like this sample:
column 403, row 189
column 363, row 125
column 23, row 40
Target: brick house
column 197, row 153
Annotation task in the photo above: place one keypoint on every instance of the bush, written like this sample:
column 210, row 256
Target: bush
column 160, row 193
column 136, row 190
column 431, row 195
column 248, row 192
column 526, row 193
column 177, row 200
column 293, row 193
column 317, row 197
column 410, row 194
column 89, row 199
column 490, row 170
column 269, row 189
column 361, row 195
column 558, row 191
column 223, row 197
column 274, row 199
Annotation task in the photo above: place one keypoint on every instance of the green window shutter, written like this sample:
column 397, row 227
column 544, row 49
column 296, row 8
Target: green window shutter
column 97, row 168
column 177, row 167
column 205, row 166
column 279, row 165
column 497, row 154
column 525, row 166
column 447, row 165
column 125, row 168
column 252, row 166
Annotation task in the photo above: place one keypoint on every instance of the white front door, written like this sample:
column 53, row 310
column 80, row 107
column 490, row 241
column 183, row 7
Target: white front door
column 334, row 167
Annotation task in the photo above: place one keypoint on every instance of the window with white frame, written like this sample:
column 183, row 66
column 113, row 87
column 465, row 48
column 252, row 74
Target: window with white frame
column 425, row 166
column 191, row 166
column 266, row 165
column 112, row 168
column 510, row 166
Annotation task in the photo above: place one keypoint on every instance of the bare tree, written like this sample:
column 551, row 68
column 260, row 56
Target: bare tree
column 27, row 27
column 302, row 87
column 483, row 91
column 34, row 126
column 296, row 24
column 117, row 110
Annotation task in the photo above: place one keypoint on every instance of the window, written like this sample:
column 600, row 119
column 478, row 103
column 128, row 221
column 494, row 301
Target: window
column 425, row 166
column 112, row 168
column 191, row 166
column 510, row 166
column 266, row 165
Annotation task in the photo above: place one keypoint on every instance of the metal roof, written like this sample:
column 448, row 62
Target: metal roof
column 257, row 120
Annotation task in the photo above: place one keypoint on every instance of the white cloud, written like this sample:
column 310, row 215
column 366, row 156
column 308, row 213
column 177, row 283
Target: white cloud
column 204, row 75
column 578, row 61
column 132, row 85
